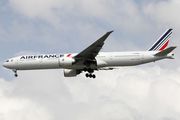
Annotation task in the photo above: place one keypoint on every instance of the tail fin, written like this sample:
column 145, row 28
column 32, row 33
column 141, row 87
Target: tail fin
column 162, row 42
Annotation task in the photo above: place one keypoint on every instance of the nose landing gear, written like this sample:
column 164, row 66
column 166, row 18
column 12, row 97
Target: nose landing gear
column 15, row 71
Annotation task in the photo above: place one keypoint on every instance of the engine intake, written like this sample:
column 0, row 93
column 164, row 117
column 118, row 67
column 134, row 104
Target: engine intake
column 71, row 72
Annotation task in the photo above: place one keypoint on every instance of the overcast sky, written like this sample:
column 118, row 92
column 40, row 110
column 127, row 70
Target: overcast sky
column 145, row 92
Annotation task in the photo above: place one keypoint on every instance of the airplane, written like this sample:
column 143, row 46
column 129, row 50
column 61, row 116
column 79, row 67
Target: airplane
column 91, row 59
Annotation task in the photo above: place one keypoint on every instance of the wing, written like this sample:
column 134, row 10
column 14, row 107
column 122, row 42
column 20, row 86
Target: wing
column 91, row 52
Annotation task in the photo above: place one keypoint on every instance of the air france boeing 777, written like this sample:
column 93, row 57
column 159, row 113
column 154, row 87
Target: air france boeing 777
column 91, row 59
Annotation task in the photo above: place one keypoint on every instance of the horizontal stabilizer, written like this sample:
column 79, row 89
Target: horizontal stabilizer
column 166, row 51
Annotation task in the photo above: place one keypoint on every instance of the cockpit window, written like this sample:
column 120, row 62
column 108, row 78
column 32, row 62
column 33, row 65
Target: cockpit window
column 7, row 60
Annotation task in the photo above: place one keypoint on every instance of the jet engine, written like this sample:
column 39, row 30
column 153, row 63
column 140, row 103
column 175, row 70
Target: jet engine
column 66, row 61
column 71, row 72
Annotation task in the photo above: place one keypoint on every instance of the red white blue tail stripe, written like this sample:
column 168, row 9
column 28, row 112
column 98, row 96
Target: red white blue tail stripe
column 162, row 42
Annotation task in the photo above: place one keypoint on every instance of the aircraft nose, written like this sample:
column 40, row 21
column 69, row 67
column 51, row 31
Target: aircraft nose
column 5, row 65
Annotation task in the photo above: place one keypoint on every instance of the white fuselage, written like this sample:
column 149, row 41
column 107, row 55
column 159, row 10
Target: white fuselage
column 104, row 59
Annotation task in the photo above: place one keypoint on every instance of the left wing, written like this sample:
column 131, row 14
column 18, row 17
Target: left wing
column 88, row 55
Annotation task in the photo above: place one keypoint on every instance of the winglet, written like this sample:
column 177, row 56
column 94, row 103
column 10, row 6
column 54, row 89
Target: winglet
column 110, row 31
column 166, row 51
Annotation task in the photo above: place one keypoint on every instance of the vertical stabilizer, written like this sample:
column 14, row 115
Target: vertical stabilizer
column 162, row 42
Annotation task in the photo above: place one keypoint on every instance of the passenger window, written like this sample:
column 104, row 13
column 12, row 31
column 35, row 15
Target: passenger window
column 61, row 55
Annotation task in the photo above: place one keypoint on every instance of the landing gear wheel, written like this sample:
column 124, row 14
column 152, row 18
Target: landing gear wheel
column 87, row 75
column 15, row 75
column 15, row 71
column 94, row 76
column 90, row 75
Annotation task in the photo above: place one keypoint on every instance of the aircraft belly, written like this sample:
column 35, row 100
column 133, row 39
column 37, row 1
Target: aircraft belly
column 124, row 63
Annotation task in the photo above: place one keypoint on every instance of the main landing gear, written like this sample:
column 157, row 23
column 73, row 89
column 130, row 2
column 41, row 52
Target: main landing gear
column 15, row 71
column 89, row 74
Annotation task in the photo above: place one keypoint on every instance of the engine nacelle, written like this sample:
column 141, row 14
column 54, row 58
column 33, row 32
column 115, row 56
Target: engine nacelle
column 66, row 61
column 71, row 72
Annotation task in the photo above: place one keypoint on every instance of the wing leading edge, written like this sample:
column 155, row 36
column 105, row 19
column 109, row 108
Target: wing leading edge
column 91, row 52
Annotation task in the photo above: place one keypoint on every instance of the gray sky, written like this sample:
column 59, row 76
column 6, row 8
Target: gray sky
column 145, row 92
